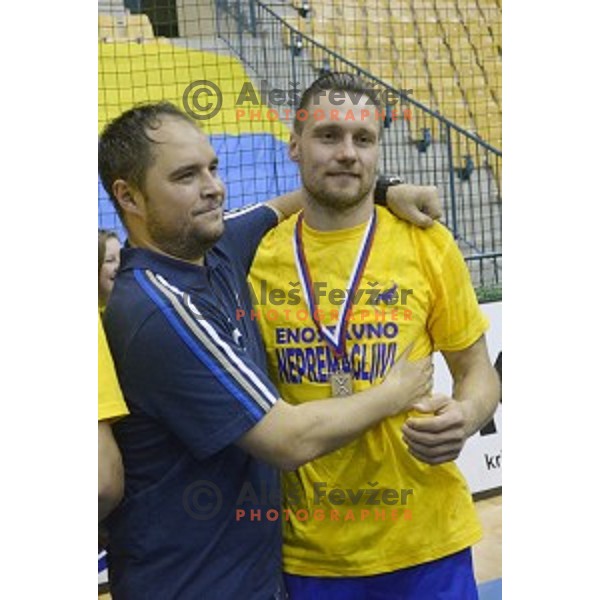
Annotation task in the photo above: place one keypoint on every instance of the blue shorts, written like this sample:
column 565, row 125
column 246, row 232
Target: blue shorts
column 449, row 578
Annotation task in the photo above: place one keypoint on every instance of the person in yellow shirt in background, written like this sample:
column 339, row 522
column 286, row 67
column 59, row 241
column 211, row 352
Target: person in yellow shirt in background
column 110, row 406
column 388, row 515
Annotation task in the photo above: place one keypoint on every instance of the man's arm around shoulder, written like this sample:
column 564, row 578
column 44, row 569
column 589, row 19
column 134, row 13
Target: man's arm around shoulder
column 289, row 436
column 419, row 205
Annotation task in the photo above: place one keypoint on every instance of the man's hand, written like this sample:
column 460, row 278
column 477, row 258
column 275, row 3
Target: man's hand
column 416, row 204
column 439, row 438
column 411, row 381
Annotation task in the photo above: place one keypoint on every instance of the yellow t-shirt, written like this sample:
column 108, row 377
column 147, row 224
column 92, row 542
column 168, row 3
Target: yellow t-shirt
column 110, row 399
column 369, row 507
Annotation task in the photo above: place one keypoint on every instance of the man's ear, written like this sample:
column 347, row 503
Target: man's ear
column 128, row 197
column 294, row 147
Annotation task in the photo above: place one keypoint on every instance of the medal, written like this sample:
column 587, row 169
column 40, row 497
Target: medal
column 341, row 380
column 341, row 383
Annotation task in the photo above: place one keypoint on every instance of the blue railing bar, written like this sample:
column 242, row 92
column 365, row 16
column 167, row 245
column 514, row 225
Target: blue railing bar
column 253, row 17
column 484, row 255
column 452, row 188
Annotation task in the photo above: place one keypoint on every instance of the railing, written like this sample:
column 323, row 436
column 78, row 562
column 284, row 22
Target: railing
column 418, row 142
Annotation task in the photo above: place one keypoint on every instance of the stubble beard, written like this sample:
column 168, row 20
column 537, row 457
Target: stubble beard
column 337, row 201
column 187, row 244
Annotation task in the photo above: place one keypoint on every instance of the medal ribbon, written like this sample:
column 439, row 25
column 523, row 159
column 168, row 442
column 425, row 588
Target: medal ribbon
column 337, row 340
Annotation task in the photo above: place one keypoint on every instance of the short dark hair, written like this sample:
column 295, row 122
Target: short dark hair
column 125, row 148
column 339, row 81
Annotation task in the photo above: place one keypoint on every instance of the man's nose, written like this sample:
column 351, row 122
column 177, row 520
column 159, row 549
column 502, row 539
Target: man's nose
column 212, row 186
column 347, row 150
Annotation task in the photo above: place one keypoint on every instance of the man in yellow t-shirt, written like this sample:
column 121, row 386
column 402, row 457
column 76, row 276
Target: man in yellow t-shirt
column 110, row 406
column 389, row 515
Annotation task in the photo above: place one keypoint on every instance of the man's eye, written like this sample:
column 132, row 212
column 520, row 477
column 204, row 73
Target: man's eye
column 186, row 176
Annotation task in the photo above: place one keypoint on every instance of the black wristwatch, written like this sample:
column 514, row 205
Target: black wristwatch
column 382, row 185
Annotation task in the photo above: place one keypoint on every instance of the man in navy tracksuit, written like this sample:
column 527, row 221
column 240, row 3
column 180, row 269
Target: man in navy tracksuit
column 207, row 430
